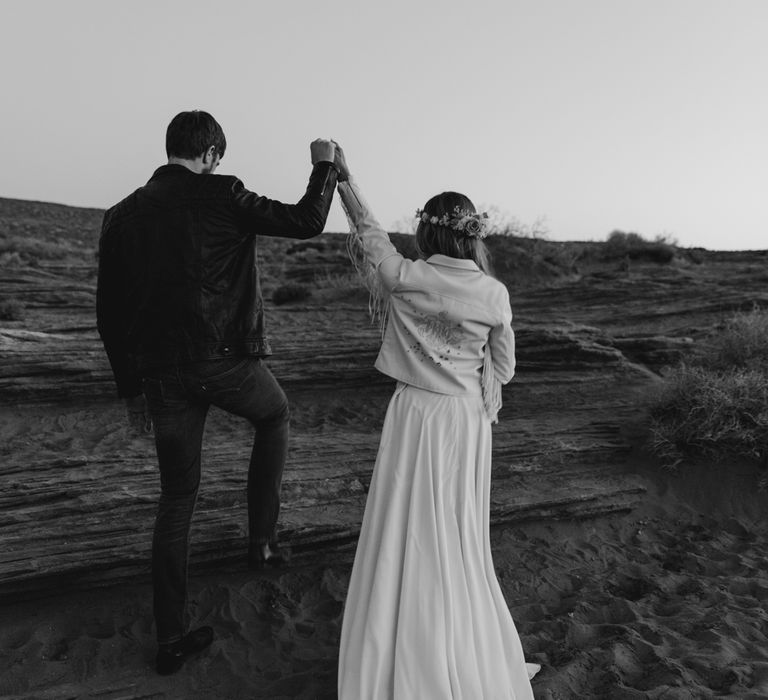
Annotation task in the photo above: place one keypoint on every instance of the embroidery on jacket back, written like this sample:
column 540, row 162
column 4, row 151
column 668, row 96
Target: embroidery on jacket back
column 440, row 335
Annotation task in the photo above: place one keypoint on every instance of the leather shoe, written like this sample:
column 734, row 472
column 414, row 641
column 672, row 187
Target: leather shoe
column 171, row 657
column 261, row 556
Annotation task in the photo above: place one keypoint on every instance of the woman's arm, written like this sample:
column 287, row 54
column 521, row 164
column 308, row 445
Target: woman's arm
column 368, row 238
column 499, row 361
column 377, row 248
column 502, row 345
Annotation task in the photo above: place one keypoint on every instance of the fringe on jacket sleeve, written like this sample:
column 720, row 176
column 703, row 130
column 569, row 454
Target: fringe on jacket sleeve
column 355, row 210
column 491, row 387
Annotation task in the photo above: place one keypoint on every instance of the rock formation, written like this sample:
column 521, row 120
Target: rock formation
column 78, row 493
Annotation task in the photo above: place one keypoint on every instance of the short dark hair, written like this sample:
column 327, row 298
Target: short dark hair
column 434, row 239
column 190, row 134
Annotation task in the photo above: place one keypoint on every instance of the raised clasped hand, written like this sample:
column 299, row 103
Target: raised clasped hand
column 322, row 150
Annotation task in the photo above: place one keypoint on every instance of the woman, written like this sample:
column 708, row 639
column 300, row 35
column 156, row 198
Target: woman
column 425, row 617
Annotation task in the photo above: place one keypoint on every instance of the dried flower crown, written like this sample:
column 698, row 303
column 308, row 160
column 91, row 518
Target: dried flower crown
column 467, row 222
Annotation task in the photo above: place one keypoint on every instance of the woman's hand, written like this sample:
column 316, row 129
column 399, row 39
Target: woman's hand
column 340, row 163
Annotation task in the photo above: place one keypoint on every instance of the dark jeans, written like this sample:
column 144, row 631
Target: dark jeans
column 178, row 399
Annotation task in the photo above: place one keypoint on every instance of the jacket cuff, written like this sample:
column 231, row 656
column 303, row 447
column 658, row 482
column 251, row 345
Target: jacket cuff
column 328, row 176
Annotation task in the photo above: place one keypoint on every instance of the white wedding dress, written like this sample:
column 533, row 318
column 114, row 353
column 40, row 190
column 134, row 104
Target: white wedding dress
column 425, row 618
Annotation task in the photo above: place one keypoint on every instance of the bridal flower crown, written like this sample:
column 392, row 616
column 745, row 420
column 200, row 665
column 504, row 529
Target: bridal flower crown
column 466, row 222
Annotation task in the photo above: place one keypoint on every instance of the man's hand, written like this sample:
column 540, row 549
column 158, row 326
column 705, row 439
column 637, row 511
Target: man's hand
column 322, row 150
column 340, row 163
column 139, row 419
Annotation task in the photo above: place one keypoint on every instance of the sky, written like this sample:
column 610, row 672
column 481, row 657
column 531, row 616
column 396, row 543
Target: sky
column 585, row 115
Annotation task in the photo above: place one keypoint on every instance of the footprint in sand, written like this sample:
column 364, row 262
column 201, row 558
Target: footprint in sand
column 535, row 612
column 713, row 597
column 615, row 612
column 727, row 562
column 667, row 606
column 649, row 634
column 717, row 678
column 582, row 636
column 679, row 560
column 735, row 528
column 628, row 666
column 640, row 667
column 690, row 587
column 749, row 588
column 631, row 588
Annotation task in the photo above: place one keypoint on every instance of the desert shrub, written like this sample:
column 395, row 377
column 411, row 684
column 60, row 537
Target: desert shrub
column 717, row 404
column 562, row 256
column 743, row 342
column 557, row 256
column 502, row 224
column 711, row 414
column 30, row 250
column 288, row 293
column 523, row 261
column 11, row 310
column 633, row 246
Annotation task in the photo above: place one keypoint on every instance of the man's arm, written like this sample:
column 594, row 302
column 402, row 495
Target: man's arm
column 304, row 219
column 112, row 316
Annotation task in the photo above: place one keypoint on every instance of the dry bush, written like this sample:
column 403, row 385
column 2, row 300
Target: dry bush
column 717, row 406
column 549, row 258
column 710, row 414
column 526, row 261
column 30, row 250
column 742, row 343
column 633, row 246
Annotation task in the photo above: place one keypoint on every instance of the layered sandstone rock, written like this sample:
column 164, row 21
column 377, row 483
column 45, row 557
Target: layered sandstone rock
column 78, row 493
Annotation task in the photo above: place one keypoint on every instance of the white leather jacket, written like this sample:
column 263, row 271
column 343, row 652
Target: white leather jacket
column 444, row 314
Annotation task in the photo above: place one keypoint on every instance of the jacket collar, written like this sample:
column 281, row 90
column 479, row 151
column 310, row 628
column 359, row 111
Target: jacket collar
column 458, row 263
column 171, row 169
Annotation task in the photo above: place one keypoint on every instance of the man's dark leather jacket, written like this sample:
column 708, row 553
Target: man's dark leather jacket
column 178, row 276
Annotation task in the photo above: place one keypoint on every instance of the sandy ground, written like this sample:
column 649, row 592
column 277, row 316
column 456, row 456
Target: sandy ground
column 668, row 601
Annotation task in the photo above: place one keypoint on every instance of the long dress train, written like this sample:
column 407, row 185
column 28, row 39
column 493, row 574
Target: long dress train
column 425, row 618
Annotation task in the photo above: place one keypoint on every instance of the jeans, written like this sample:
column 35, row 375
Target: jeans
column 178, row 399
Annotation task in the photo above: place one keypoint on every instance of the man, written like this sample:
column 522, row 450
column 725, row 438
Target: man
column 180, row 313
